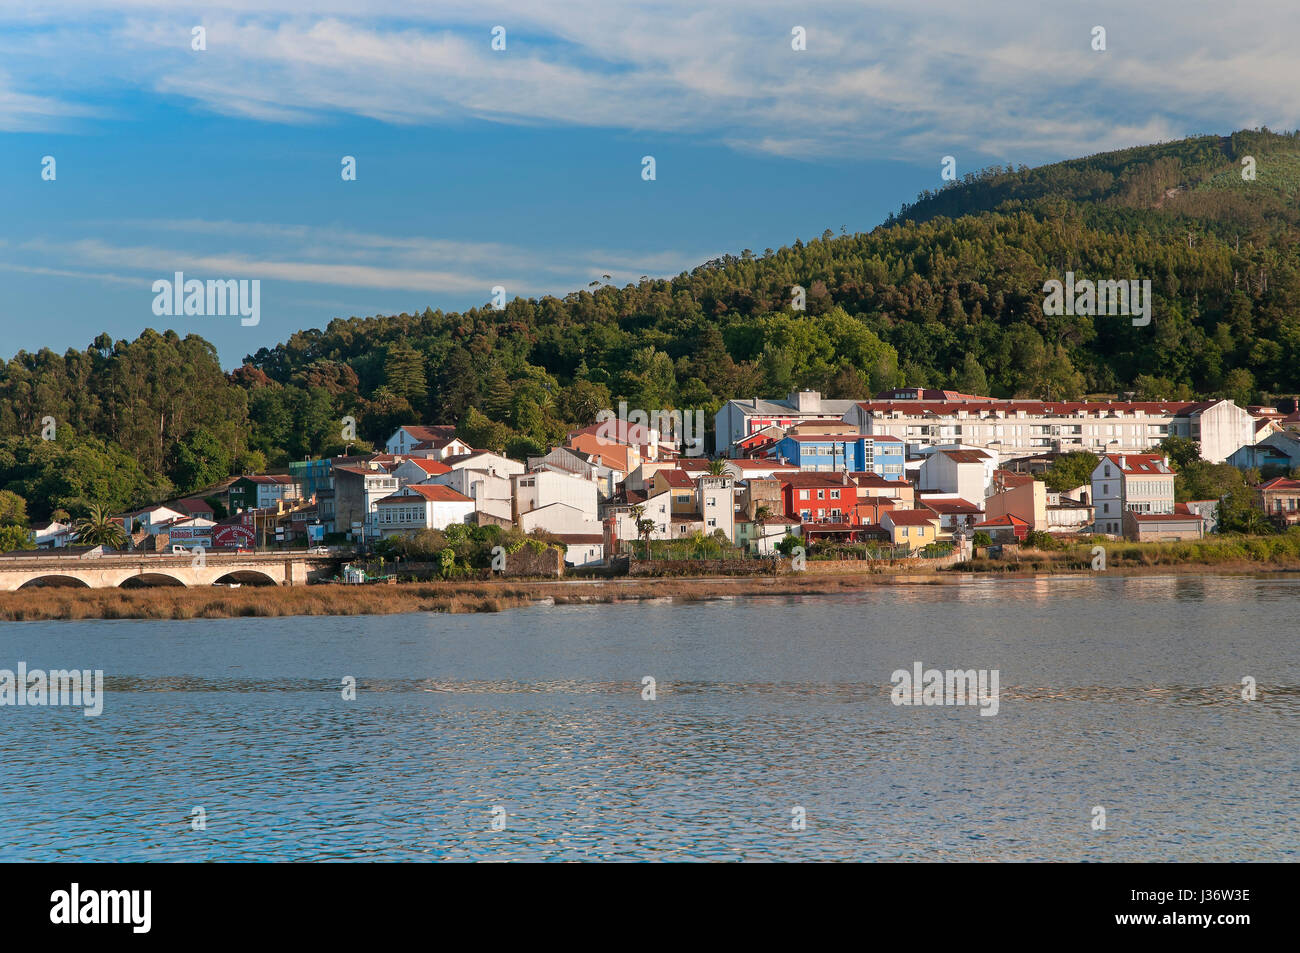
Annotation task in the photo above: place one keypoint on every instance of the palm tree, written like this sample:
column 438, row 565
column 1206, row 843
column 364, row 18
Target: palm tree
column 638, row 518
column 99, row 529
column 761, row 515
column 717, row 467
column 644, row 528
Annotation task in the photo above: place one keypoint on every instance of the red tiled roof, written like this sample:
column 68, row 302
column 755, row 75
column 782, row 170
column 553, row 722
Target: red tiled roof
column 966, row 456
column 1007, row 478
column 1037, row 407
column 1146, row 464
column 433, row 492
column 1007, row 519
column 1280, row 483
column 951, row 506
column 441, row 434
column 617, row 431
column 677, row 478
column 432, row 467
column 1164, row 517
column 910, row 517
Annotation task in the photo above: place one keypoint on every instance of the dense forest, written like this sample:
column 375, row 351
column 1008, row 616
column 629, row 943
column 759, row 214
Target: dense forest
column 947, row 293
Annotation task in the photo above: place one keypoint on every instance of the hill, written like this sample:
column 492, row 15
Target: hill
column 948, row 293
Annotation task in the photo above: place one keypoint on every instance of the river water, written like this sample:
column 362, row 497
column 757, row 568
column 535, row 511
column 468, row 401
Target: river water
column 1123, row 694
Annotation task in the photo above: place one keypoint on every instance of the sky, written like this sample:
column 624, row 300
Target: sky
column 523, row 167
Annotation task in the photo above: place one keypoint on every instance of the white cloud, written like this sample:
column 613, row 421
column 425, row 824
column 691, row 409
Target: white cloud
column 341, row 258
column 888, row 78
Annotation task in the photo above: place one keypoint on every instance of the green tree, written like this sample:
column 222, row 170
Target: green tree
column 200, row 461
column 13, row 509
column 404, row 372
column 14, row 538
column 1182, row 451
column 971, row 379
column 97, row 528
column 1071, row 470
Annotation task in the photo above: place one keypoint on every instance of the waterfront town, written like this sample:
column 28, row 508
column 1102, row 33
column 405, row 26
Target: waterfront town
column 912, row 472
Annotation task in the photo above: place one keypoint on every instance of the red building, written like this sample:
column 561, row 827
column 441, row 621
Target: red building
column 819, row 497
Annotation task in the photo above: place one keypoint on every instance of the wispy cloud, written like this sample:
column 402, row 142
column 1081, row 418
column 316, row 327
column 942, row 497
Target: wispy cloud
column 338, row 257
column 889, row 78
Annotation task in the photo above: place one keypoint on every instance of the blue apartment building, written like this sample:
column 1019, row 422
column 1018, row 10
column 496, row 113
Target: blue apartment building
column 857, row 453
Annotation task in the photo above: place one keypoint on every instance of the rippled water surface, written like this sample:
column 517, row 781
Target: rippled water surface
column 1119, row 693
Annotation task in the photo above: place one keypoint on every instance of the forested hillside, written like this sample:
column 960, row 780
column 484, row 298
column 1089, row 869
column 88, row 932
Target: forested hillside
column 946, row 293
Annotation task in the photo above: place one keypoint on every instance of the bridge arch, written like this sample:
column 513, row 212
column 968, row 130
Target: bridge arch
column 55, row 581
column 149, row 580
column 246, row 577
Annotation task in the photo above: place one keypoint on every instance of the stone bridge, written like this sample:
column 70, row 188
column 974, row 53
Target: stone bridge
column 147, row 569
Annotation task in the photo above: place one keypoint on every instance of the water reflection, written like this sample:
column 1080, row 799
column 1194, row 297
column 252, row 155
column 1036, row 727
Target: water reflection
column 1122, row 691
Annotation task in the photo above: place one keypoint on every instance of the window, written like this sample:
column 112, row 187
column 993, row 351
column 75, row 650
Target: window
column 821, row 494
column 904, row 534
column 835, row 494
column 803, row 494
column 712, row 522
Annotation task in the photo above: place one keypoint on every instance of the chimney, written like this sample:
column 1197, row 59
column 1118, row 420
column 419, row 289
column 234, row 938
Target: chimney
column 1166, row 461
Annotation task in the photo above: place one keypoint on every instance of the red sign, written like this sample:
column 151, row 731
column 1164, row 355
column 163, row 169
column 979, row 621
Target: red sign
column 233, row 536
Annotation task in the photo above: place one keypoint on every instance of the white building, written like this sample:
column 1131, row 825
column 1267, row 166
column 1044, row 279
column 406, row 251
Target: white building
column 1016, row 428
column 716, row 498
column 1141, row 482
column 437, row 442
column 560, row 519
column 491, row 493
column 493, row 463
column 963, row 471
column 420, row 507
column 541, row 488
column 583, row 549
column 656, row 507
column 418, row 470
column 51, row 535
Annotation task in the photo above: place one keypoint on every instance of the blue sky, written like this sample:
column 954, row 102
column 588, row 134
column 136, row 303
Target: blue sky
column 522, row 167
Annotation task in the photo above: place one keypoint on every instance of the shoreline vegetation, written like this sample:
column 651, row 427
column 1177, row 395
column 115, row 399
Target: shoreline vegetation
column 1230, row 556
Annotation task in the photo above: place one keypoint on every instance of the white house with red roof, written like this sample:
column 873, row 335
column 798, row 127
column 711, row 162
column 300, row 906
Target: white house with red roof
column 414, row 508
column 418, row 470
column 491, row 493
column 1140, row 483
column 438, row 441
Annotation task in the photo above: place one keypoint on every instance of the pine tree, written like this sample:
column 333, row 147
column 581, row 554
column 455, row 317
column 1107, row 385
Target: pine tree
column 404, row 372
